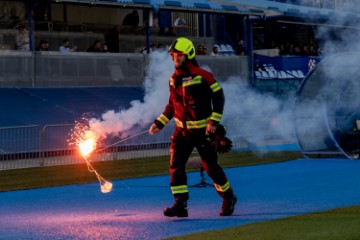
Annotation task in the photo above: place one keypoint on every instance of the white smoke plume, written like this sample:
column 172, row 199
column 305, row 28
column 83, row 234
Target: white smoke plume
column 330, row 94
column 246, row 111
column 141, row 113
column 252, row 115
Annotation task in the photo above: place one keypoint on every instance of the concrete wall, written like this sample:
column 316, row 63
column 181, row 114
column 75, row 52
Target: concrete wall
column 54, row 69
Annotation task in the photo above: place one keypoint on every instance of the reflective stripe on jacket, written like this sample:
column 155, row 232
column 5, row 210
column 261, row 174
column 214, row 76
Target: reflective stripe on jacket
column 196, row 99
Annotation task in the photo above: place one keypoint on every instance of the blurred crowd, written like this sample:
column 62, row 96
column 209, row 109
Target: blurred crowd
column 111, row 44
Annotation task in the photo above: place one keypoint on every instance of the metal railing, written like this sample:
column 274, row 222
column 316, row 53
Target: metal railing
column 35, row 146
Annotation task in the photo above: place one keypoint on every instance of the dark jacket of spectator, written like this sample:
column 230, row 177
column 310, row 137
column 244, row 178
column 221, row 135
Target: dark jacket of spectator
column 43, row 46
column 132, row 19
column 96, row 47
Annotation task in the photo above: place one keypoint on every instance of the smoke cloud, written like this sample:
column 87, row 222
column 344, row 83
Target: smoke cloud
column 330, row 92
column 141, row 113
column 246, row 112
column 250, row 115
column 255, row 116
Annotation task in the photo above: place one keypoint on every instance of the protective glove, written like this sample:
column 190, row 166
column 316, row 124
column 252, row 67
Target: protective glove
column 154, row 129
column 222, row 143
column 210, row 129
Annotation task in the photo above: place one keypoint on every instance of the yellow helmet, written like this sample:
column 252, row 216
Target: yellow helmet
column 183, row 45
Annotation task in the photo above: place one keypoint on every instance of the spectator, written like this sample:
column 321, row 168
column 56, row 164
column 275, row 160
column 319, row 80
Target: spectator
column 201, row 50
column 65, row 47
column 132, row 20
column 22, row 38
column 282, row 50
column 43, row 46
column 304, row 51
column 273, row 45
column 241, row 48
column 297, row 50
column 152, row 49
column 257, row 44
column 161, row 47
column 105, row 47
column 215, row 51
column 155, row 23
column 291, row 50
column 312, row 50
column 95, row 47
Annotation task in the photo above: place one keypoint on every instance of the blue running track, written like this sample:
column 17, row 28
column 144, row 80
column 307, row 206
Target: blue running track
column 133, row 210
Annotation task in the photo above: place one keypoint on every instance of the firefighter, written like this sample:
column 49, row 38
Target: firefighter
column 196, row 103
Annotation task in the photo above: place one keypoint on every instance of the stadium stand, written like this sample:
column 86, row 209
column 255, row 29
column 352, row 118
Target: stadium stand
column 277, row 80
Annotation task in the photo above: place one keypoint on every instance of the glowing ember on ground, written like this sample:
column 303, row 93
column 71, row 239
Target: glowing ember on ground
column 106, row 187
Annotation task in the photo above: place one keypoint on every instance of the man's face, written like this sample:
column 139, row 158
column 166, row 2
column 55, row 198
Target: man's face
column 178, row 58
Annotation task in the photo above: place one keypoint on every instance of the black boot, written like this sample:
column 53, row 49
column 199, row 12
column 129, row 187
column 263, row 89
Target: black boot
column 179, row 209
column 228, row 206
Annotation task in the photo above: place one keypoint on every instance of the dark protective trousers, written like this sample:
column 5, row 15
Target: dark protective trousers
column 182, row 144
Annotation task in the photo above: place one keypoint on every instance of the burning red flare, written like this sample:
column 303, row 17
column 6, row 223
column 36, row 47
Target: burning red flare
column 87, row 144
column 86, row 141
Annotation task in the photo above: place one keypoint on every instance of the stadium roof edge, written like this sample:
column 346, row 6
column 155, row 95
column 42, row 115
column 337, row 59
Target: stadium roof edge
column 271, row 8
column 242, row 7
column 176, row 5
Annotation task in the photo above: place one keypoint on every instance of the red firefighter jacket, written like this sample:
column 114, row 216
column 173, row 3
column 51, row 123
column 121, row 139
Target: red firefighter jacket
column 195, row 99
